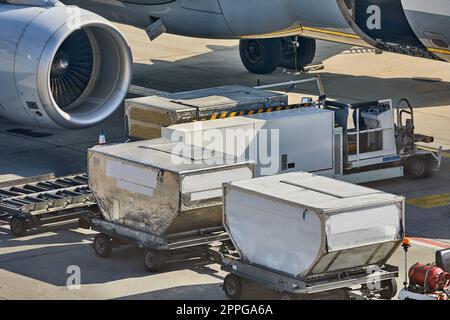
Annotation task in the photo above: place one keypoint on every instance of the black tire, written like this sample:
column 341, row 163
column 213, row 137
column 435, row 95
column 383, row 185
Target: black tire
column 232, row 285
column 18, row 226
column 84, row 223
column 155, row 260
column 389, row 289
column 102, row 245
column 417, row 168
column 260, row 56
column 305, row 53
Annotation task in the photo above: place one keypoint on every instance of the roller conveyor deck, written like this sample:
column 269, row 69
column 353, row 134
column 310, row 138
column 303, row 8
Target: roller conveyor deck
column 42, row 200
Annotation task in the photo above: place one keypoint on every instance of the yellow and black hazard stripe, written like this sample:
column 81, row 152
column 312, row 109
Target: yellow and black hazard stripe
column 232, row 114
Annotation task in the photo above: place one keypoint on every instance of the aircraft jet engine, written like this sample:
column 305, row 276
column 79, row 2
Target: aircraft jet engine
column 60, row 66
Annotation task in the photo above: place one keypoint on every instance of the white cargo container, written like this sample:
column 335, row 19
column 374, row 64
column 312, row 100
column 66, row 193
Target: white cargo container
column 279, row 142
column 306, row 225
column 150, row 186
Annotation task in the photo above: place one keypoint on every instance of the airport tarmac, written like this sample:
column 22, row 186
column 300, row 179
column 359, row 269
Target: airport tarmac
column 35, row 266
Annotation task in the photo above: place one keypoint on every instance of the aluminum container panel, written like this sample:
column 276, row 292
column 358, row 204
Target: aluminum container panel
column 149, row 187
column 306, row 225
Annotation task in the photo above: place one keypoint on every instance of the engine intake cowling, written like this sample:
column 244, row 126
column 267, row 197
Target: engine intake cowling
column 60, row 66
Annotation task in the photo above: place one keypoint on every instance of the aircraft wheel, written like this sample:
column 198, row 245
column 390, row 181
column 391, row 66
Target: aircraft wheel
column 260, row 56
column 299, row 58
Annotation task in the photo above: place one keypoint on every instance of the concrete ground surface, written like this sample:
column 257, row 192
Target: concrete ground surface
column 35, row 266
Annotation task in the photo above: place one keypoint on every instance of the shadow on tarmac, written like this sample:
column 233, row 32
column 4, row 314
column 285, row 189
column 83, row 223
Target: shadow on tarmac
column 46, row 257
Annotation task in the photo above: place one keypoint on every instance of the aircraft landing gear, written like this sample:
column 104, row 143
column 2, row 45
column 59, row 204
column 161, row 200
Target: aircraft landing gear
column 263, row 56
column 260, row 56
column 297, row 52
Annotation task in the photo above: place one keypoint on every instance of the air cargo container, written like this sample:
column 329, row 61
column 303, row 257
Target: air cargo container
column 310, row 231
column 147, row 115
column 278, row 142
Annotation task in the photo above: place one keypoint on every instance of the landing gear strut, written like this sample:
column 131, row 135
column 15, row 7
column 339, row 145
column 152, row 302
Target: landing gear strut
column 263, row 56
column 297, row 52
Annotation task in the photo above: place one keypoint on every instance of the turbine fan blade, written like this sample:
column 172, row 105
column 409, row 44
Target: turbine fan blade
column 71, row 69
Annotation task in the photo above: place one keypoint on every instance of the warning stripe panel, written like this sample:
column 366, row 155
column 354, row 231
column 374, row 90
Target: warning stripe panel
column 232, row 114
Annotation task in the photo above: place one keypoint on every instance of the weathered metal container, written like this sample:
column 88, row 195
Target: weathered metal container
column 145, row 116
column 306, row 225
column 162, row 187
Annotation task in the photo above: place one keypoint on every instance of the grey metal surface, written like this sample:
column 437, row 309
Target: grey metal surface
column 315, row 193
column 164, row 65
column 170, row 242
column 289, row 135
column 38, row 31
column 164, row 110
column 324, row 19
column 427, row 21
column 46, row 196
column 228, row 98
column 29, row 102
column 284, row 283
column 228, row 19
column 31, row 38
column 312, row 225
column 149, row 187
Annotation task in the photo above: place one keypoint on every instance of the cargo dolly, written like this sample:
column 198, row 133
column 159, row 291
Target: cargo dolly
column 359, row 285
column 37, row 201
column 159, row 250
column 311, row 237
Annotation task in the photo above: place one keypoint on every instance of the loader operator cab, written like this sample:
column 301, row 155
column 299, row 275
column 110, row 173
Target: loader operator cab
column 368, row 132
column 377, row 135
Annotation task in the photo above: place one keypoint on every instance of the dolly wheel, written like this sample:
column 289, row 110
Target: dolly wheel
column 18, row 226
column 232, row 286
column 389, row 289
column 102, row 245
column 84, row 223
column 155, row 260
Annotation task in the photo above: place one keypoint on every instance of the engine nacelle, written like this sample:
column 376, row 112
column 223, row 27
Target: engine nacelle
column 60, row 66
column 413, row 27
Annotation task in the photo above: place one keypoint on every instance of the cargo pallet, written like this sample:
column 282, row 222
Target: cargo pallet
column 37, row 201
column 159, row 250
column 243, row 275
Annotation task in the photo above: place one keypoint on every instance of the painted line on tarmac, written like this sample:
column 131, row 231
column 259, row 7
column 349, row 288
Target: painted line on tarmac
column 438, row 245
column 431, row 201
